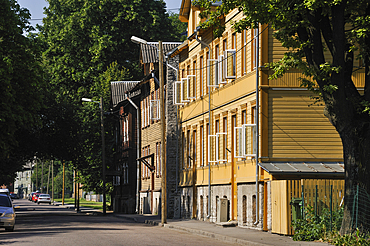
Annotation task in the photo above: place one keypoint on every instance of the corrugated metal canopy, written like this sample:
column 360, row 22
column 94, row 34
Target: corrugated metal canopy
column 119, row 88
column 303, row 167
column 149, row 53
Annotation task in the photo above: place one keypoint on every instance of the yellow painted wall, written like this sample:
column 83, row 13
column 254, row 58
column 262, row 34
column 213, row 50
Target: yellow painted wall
column 298, row 129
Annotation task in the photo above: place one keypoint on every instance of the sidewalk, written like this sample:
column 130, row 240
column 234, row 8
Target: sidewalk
column 236, row 235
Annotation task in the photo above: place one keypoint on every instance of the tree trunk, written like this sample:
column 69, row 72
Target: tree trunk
column 356, row 148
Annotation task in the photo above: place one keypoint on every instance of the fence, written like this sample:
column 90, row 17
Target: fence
column 359, row 206
column 317, row 193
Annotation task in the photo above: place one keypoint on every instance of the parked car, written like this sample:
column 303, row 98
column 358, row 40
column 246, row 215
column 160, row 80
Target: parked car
column 44, row 198
column 30, row 196
column 35, row 197
column 7, row 214
column 13, row 196
column 4, row 191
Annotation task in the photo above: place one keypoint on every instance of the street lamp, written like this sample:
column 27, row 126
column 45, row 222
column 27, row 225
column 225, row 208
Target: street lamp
column 103, row 145
column 137, row 40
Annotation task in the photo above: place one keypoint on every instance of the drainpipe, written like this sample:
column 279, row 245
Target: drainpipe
column 209, row 128
column 137, row 153
column 257, row 123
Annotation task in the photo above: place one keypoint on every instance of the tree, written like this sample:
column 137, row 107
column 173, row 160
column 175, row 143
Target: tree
column 21, row 88
column 307, row 29
column 180, row 27
column 87, row 45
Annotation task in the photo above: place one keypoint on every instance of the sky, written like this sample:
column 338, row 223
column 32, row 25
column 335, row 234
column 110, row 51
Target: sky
column 36, row 8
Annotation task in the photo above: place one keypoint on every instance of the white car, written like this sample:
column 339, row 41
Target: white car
column 7, row 214
column 44, row 198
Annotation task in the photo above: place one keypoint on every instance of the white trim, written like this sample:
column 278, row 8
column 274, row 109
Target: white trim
column 176, row 96
column 226, row 62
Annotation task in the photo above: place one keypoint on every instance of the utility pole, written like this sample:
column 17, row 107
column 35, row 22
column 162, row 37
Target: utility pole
column 47, row 186
column 52, row 180
column 78, row 193
column 42, row 177
column 64, row 173
column 37, row 180
column 103, row 153
column 163, row 137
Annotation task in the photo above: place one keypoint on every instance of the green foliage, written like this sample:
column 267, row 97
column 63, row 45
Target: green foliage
column 86, row 46
column 179, row 27
column 354, row 239
column 21, row 88
column 58, row 176
column 314, row 227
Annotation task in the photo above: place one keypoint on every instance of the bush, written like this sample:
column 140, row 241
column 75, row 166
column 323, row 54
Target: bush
column 356, row 239
column 314, row 227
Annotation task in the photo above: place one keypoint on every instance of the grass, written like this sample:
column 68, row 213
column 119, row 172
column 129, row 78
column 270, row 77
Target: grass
column 84, row 203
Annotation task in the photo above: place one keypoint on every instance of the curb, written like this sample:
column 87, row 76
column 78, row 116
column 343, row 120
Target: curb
column 206, row 234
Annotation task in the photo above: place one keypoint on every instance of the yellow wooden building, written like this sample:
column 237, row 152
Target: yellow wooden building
column 230, row 117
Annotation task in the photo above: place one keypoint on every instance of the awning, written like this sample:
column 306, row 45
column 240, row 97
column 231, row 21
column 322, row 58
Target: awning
column 301, row 168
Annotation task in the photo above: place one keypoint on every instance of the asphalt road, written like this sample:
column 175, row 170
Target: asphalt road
column 52, row 225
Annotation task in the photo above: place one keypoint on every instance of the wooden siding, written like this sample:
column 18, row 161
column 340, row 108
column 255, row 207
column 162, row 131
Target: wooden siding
column 282, row 192
column 299, row 129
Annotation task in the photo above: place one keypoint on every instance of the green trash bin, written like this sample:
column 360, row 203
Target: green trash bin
column 296, row 208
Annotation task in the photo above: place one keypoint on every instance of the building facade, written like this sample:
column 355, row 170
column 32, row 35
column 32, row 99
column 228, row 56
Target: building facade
column 246, row 139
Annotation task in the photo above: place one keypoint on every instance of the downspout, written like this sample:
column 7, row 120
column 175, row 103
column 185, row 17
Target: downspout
column 137, row 153
column 209, row 127
column 257, row 124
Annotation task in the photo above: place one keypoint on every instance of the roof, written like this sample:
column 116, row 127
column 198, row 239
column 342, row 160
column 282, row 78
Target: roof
column 119, row 89
column 284, row 168
column 149, row 53
column 178, row 49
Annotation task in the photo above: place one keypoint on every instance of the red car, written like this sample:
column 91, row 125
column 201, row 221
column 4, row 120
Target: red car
column 35, row 197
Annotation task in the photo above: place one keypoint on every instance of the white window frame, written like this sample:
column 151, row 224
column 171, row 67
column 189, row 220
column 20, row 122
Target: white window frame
column 241, row 143
column 184, row 81
column 225, row 63
column 221, row 64
column 176, row 90
column 154, row 110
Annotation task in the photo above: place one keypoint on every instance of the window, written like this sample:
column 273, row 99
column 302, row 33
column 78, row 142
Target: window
column 254, row 48
column 244, row 52
column 177, row 92
column 222, row 60
column 201, row 83
column 184, row 155
column 145, row 171
column 194, row 149
column 201, row 131
column 189, row 149
column 244, row 117
column 193, row 79
column 245, row 141
column 125, row 172
column 233, row 47
column 207, row 140
column 224, row 139
column 158, row 160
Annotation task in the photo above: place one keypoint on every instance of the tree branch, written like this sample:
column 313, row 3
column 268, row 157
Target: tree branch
column 327, row 33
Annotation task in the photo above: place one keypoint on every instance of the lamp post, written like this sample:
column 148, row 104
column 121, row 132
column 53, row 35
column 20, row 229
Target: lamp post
column 137, row 40
column 103, row 145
